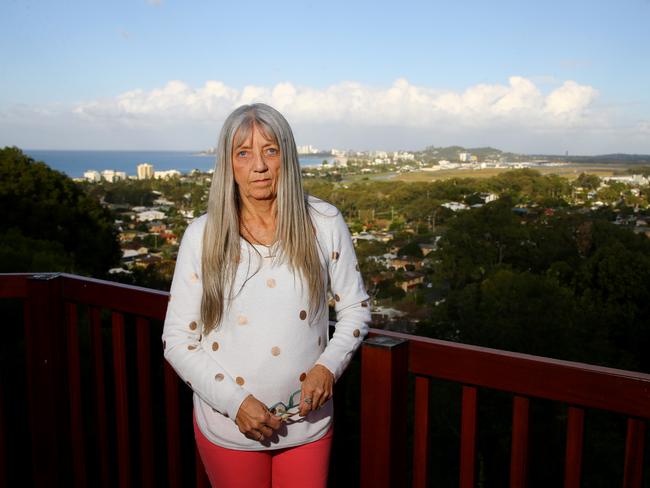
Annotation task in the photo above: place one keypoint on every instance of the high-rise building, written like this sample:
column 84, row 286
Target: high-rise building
column 145, row 171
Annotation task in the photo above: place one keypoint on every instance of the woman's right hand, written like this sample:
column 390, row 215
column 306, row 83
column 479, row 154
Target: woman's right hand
column 255, row 420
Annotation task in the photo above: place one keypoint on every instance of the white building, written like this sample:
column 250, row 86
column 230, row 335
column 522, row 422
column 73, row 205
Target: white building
column 464, row 156
column 455, row 206
column 444, row 164
column 387, row 313
column 308, row 149
column 407, row 156
column 489, row 197
column 163, row 201
column 112, row 175
column 638, row 180
column 93, row 176
column 145, row 171
column 170, row 173
column 149, row 215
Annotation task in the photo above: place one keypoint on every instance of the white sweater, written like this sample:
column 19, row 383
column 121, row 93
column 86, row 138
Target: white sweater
column 267, row 339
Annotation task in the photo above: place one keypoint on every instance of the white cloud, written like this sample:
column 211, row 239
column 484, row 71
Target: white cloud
column 517, row 115
column 402, row 104
column 571, row 101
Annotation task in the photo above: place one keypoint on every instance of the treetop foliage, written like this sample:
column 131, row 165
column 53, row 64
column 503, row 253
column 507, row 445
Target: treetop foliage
column 566, row 286
column 49, row 223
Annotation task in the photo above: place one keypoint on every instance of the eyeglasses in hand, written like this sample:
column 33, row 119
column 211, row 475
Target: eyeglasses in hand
column 288, row 412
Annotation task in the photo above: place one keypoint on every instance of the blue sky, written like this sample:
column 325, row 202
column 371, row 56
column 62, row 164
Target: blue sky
column 69, row 64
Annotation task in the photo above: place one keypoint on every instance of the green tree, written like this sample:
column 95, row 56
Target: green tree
column 587, row 181
column 45, row 210
column 411, row 249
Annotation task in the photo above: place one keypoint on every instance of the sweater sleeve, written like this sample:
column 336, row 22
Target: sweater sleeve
column 182, row 332
column 350, row 301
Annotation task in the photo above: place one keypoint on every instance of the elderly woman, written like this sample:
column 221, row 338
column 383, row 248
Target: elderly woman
column 247, row 322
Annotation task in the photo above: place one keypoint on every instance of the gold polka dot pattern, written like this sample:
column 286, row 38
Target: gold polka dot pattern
column 335, row 255
column 191, row 347
column 303, row 376
column 215, row 346
column 356, row 333
column 270, row 283
column 189, row 384
column 219, row 377
column 337, row 298
column 275, row 350
column 242, row 320
column 194, row 277
column 193, row 325
column 364, row 304
column 303, row 315
column 240, row 381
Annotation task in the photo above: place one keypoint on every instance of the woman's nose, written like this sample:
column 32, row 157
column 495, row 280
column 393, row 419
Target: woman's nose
column 258, row 162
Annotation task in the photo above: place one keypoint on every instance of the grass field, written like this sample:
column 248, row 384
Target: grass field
column 570, row 172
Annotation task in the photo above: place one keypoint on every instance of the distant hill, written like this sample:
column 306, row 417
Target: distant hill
column 451, row 153
column 602, row 159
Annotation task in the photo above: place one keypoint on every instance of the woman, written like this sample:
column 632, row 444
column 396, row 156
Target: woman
column 247, row 322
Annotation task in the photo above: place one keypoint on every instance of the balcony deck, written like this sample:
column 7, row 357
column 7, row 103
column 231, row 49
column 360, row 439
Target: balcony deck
column 104, row 409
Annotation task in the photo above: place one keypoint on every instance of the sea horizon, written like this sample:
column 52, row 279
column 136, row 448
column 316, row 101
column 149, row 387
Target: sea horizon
column 75, row 162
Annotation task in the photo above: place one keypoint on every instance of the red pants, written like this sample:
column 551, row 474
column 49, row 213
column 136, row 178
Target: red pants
column 304, row 466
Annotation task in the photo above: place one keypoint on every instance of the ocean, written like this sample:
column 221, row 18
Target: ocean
column 75, row 163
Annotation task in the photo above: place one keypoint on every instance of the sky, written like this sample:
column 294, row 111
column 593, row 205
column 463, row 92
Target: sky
column 533, row 77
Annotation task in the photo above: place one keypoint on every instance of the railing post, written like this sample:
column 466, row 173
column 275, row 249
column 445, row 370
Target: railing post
column 47, row 391
column 633, row 467
column 384, row 369
column 519, row 446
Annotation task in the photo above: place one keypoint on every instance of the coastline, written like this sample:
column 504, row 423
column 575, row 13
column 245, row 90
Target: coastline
column 75, row 162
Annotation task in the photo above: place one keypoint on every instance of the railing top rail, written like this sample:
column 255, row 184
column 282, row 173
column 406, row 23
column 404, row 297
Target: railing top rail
column 120, row 297
column 580, row 384
column 13, row 285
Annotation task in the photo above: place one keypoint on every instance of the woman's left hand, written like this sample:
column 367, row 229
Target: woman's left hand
column 317, row 385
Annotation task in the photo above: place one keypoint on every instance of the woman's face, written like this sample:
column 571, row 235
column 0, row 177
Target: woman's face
column 256, row 162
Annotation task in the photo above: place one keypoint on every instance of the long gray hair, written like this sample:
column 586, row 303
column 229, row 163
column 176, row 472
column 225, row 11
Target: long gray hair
column 294, row 233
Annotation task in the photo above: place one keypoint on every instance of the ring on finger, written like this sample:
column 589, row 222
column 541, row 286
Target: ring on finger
column 307, row 401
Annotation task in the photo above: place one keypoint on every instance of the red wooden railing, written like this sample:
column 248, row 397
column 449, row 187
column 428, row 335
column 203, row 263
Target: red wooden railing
column 388, row 357
column 55, row 352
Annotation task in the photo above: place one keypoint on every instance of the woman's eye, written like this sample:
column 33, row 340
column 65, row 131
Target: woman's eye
column 242, row 154
column 272, row 151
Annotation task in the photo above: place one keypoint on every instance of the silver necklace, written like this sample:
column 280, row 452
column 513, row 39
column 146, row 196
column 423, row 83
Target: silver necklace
column 255, row 239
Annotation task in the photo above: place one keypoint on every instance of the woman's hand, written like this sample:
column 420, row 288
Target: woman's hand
column 317, row 385
column 255, row 421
